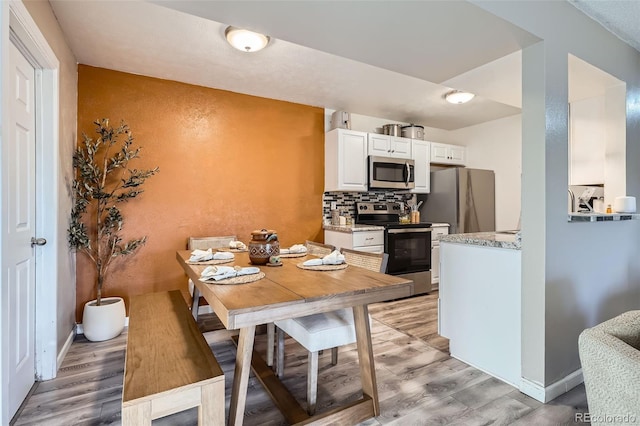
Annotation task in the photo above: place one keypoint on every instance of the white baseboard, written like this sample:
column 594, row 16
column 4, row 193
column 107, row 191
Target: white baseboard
column 65, row 348
column 546, row 394
column 80, row 330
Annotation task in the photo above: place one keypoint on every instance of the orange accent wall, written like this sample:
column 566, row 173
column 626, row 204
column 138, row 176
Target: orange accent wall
column 229, row 164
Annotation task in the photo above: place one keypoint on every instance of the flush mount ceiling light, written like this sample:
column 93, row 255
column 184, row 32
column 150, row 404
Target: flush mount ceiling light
column 458, row 97
column 245, row 40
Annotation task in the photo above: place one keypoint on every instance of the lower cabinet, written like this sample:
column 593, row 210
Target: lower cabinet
column 439, row 229
column 435, row 264
column 369, row 241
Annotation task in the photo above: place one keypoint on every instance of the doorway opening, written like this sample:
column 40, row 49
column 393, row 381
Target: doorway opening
column 26, row 36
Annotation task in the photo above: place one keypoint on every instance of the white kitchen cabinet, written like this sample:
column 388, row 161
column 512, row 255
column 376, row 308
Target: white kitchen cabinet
column 345, row 160
column 421, row 154
column 389, row 146
column 439, row 229
column 369, row 241
column 442, row 153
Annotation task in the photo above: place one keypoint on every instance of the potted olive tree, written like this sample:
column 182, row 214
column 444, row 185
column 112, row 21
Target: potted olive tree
column 102, row 181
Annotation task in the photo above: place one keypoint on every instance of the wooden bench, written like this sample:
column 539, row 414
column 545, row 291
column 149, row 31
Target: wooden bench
column 169, row 367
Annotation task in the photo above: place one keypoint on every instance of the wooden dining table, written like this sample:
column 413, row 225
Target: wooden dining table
column 285, row 292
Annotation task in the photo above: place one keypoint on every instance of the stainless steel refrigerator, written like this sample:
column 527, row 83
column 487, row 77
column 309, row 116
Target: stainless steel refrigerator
column 463, row 198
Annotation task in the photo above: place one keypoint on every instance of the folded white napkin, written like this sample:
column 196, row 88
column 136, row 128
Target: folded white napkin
column 335, row 258
column 222, row 255
column 238, row 245
column 312, row 262
column 221, row 272
column 298, row 248
column 201, row 255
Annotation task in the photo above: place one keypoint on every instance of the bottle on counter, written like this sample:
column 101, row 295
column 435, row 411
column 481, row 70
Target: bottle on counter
column 609, row 208
column 335, row 217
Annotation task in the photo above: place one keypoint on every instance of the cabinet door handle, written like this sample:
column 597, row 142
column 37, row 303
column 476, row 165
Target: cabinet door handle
column 369, row 239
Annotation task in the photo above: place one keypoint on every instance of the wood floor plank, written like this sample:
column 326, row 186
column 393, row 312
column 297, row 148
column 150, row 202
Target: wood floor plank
column 482, row 393
column 503, row 411
column 418, row 383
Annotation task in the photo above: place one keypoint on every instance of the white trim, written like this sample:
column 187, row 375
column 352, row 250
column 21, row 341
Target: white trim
column 47, row 154
column 534, row 390
column 31, row 42
column 66, row 347
column 28, row 32
column 80, row 329
column 4, row 296
column 542, row 394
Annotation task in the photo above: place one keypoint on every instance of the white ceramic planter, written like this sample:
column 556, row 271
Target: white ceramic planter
column 103, row 322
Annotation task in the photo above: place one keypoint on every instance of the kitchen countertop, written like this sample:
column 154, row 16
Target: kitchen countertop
column 361, row 228
column 351, row 228
column 487, row 239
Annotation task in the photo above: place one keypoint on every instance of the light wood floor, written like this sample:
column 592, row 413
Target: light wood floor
column 418, row 384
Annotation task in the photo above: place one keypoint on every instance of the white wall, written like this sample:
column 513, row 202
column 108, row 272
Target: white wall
column 497, row 145
column 587, row 141
column 364, row 123
column 574, row 275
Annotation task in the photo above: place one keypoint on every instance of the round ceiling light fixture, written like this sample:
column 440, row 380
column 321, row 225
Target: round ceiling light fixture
column 458, row 97
column 245, row 40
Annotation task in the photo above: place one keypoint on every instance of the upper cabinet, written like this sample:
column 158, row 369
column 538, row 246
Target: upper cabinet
column 389, row 146
column 345, row 160
column 421, row 156
column 442, row 153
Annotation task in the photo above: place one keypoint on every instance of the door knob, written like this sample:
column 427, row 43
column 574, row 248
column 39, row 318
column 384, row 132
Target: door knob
column 38, row 241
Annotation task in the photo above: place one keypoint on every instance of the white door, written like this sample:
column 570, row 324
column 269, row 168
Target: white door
column 21, row 228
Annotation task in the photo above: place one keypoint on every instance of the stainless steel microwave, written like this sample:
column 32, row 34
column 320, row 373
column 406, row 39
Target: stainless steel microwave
column 391, row 173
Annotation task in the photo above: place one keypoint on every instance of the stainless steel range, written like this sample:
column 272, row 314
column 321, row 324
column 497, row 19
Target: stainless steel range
column 408, row 245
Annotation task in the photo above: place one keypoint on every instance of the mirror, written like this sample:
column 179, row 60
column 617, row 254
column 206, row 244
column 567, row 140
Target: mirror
column 597, row 138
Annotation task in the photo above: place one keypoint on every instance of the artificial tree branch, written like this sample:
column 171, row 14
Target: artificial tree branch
column 96, row 191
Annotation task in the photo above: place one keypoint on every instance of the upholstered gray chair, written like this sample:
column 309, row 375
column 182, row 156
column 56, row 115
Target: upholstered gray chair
column 204, row 243
column 327, row 330
column 610, row 357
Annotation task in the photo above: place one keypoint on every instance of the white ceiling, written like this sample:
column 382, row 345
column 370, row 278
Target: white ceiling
column 621, row 17
column 387, row 59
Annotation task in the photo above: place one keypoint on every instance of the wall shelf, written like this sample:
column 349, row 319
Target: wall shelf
column 602, row 217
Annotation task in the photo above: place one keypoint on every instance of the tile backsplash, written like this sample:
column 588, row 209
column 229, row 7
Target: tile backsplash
column 346, row 201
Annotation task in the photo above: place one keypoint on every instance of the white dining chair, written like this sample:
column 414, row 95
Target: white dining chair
column 327, row 330
column 204, row 243
column 313, row 249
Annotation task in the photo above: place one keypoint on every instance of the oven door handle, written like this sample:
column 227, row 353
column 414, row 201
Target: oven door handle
column 408, row 230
